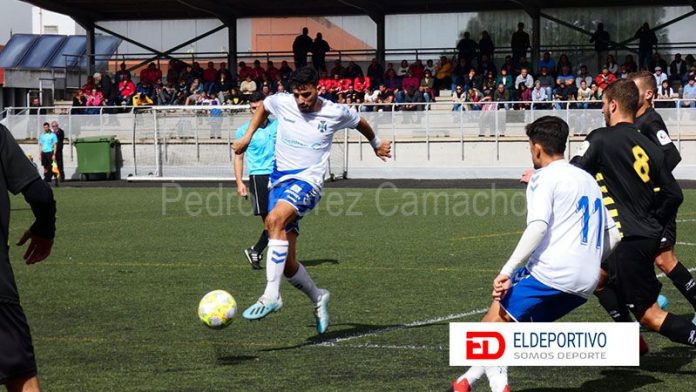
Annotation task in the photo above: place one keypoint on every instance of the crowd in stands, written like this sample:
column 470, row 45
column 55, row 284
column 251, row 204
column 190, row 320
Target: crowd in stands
column 472, row 77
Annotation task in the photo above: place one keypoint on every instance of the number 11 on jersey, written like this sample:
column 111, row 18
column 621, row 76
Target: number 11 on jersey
column 584, row 207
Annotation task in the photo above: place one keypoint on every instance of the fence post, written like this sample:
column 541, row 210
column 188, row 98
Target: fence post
column 70, row 139
column 135, row 163
column 497, row 132
column 393, row 126
column 345, row 154
column 427, row 130
column 679, row 128
column 101, row 120
column 461, row 128
column 158, row 158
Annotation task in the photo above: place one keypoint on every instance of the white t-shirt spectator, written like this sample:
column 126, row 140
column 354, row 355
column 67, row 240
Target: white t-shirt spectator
column 584, row 95
column 659, row 78
column 528, row 81
column 539, row 94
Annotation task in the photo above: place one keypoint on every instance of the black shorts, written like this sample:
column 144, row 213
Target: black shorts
column 16, row 349
column 46, row 159
column 632, row 272
column 258, row 189
column 669, row 235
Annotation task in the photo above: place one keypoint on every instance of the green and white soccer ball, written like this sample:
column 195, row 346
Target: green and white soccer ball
column 217, row 309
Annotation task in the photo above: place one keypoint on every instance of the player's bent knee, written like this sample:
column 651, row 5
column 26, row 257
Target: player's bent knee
column 652, row 318
column 666, row 261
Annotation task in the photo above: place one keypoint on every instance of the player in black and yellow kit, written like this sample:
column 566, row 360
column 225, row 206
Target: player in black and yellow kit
column 650, row 124
column 629, row 167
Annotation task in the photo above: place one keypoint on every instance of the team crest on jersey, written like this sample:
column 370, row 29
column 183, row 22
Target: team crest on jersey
column 663, row 137
column 322, row 126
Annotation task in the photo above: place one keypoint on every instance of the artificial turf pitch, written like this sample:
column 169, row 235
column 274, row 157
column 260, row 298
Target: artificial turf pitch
column 114, row 307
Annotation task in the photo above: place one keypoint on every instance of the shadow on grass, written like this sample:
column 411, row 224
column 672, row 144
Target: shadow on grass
column 232, row 360
column 315, row 262
column 669, row 360
column 612, row 380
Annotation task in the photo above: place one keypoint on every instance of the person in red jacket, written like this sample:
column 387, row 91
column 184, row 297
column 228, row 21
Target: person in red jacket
column 361, row 83
column 126, row 89
column 604, row 79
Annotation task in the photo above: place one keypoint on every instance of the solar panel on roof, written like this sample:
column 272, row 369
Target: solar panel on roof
column 16, row 49
column 42, row 51
column 69, row 53
column 104, row 47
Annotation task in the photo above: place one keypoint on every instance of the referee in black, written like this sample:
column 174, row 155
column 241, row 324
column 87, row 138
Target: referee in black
column 650, row 124
column 628, row 168
column 17, row 174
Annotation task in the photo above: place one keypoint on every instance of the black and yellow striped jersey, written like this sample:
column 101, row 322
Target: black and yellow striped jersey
column 628, row 167
column 653, row 127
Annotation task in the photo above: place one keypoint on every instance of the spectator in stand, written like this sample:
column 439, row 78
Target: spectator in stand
column 689, row 94
column 604, row 79
column 519, row 43
column 122, row 73
column 473, row 80
column 186, row 74
column 502, row 94
column 247, row 87
column 141, row 100
column 233, row 97
column 353, row 70
column 601, row 43
column 466, row 48
column 245, row 70
column 429, row 66
column 506, row 80
column 182, row 89
column 94, row 100
column 677, row 69
column 539, row 95
column 565, row 74
column 319, row 49
column 657, row 61
column 166, row 95
column 89, row 85
column 547, row 81
column 458, row 97
column 665, row 92
column 104, row 84
column 209, row 77
column 79, row 101
column 410, row 81
column 417, row 69
column 508, row 65
column 144, row 87
column 486, row 46
column 647, row 40
column 338, row 69
column 173, row 71
column 522, row 63
column 623, row 73
column 659, row 76
column 285, row 71
column 473, row 97
column 459, row 74
column 375, row 72
column 524, row 95
column 526, row 78
column 547, row 62
column 427, row 86
column 563, row 61
column 223, row 86
column 630, row 64
column 150, row 74
column 403, row 69
column 223, row 70
column 584, row 95
column 196, row 71
column 611, row 64
column 271, row 71
column 385, row 95
column 489, row 84
column 443, row 74
column 195, row 92
column 126, row 89
column 691, row 74
column 392, row 82
column 583, row 75
column 258, row 73
column 362, row 84
column 486, row 65
column 566, row 92
column 410, row 98
column 300, row 47
column 596, row 98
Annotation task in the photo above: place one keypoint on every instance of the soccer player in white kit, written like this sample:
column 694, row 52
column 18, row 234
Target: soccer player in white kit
column 568, row 233
column 306, row 125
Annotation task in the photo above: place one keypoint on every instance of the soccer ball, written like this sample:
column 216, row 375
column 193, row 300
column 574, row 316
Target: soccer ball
column 217, row 309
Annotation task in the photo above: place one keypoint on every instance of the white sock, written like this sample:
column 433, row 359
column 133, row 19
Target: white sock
column 497, row 377
column 472, row 375
column 304, row 282
column 275, row 264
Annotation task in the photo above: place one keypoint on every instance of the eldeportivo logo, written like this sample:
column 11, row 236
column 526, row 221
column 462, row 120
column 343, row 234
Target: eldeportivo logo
column 479, row 347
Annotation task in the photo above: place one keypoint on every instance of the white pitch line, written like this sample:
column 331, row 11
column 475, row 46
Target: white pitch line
column 686, row 243
column 334, row 341
column 662, row 274
column 395, row 347
column 685, row 220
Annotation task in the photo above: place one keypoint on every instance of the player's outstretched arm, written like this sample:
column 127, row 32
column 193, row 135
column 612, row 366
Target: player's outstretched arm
column 530, row 240
column 381, row 146
column 259, row 118
column 40, row 234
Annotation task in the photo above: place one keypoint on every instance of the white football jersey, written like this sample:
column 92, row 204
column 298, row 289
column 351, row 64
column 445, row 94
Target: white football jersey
column 569, row 200
column 303, row 141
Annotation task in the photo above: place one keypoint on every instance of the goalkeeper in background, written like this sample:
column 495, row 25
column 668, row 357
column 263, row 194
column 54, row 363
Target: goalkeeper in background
column 260, row 158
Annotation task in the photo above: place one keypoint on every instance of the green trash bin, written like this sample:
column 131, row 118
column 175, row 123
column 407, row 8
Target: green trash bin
column 97, row 155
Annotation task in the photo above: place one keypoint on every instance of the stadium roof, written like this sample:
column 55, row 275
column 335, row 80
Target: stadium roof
column 103, row 10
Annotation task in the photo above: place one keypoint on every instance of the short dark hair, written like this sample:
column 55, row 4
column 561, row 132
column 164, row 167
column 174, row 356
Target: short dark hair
column 645, row 77
column 256, row 96
column 46, row 124
column 550, row 132
column 625, row 92
column 304, row 76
